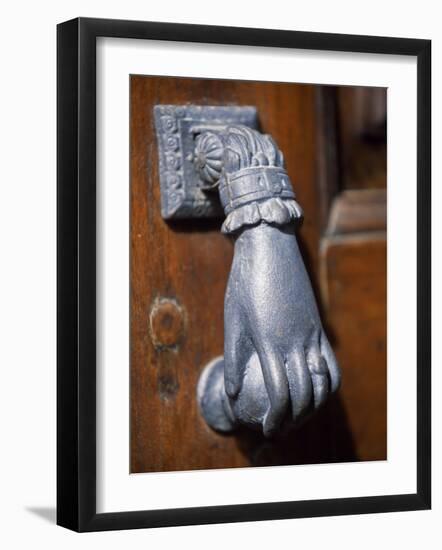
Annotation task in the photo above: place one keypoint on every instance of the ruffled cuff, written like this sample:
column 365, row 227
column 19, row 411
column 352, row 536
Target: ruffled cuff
column 273, row 211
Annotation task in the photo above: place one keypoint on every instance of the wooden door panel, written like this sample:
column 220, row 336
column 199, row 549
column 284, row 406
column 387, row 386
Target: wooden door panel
column 354, row 282
column 178, row 277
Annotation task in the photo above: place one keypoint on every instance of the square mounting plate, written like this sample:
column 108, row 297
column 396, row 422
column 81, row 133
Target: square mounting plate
column 182, row 195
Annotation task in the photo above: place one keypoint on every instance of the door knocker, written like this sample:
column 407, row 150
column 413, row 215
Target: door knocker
column 278, row 364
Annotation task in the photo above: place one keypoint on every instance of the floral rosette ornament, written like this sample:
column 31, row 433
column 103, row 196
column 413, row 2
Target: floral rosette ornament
column 208, row 158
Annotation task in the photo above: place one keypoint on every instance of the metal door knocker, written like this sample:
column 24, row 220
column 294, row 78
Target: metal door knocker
column 278, row 364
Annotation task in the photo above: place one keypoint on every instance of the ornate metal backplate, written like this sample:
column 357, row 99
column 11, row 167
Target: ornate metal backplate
column 182, row 190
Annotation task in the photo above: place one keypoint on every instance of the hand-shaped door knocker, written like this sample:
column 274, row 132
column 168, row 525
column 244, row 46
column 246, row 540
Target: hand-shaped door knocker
column 278, row 364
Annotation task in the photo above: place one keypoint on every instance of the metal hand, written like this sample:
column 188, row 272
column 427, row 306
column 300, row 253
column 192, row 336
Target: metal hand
column 278, row 363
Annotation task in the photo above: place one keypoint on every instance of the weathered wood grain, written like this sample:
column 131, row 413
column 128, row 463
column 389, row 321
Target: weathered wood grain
column 178, row 277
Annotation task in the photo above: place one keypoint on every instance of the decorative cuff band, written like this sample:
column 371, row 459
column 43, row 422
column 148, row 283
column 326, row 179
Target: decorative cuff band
column 256, row 183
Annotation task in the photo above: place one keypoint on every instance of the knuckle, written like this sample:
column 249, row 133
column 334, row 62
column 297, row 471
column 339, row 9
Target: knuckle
column 318, row 366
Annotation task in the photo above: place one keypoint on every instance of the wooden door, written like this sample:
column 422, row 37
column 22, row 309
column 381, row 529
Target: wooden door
column 179, row 273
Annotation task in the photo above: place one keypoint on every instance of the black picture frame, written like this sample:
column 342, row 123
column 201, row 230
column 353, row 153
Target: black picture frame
column 76, row 273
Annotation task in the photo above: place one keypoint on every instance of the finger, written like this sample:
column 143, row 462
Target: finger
column 276, row 383
column 236, row 350
column 332, row 364
column 300, row 384
column 233, row 366
column 319, row 377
